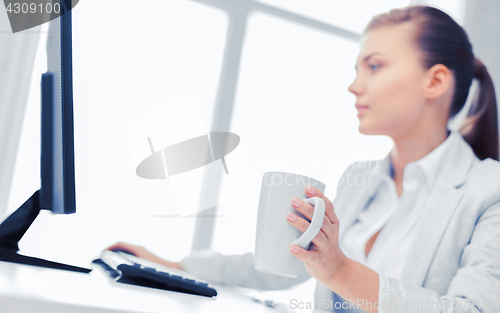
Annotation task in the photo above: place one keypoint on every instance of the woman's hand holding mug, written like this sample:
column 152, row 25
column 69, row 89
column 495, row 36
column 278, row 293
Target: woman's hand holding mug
column 323, row 259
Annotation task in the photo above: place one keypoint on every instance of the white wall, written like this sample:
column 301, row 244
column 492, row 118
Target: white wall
column 483, row 27
column 17, row 55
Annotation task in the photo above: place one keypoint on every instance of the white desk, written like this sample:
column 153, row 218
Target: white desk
column 26, row 288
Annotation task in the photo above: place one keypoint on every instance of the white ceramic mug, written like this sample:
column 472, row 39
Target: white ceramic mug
column 274, row 233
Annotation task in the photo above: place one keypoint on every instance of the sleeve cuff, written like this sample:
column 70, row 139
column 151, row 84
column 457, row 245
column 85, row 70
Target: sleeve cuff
column 383, row 291
column 204, row 264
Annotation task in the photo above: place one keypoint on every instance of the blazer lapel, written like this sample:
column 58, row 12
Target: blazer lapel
column 437, row 211
column 440, row 206
column 357, row 203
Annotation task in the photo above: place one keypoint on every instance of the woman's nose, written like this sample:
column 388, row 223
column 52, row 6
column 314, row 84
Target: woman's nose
column 355, row 87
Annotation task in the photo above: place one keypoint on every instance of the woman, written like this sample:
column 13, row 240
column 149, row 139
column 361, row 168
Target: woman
column 421, row 233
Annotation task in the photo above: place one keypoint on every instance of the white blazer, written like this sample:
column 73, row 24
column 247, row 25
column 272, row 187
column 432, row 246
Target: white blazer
column 454, row 260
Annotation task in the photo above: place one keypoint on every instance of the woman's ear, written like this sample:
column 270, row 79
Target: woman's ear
column 439, row 81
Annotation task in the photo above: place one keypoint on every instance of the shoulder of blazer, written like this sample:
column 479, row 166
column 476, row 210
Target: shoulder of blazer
column 353, row 184
column 483, row 180
column 362, row 170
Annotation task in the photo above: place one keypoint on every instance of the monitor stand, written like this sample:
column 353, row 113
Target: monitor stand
column 15, row 226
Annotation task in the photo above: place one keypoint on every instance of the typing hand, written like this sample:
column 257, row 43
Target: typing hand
column 142, row 253
column 324, row 258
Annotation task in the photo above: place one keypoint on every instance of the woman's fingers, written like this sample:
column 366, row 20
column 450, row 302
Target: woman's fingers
column 303, row 254
column 321, row 239
column 124, row 247
column 143, row 253
column 307, row 209
column 304, row 208
column 329, row 210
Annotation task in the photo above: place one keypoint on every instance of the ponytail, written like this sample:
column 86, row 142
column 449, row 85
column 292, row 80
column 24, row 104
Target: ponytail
column 480, row 127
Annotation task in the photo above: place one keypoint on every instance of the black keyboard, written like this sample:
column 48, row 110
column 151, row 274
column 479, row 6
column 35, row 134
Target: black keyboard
column 128, row 269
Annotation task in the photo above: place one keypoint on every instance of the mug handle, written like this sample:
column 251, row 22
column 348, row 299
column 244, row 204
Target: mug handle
column 316, row 222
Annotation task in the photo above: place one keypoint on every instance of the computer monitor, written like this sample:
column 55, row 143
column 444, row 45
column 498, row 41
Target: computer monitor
column 57, row 143
column 57, row 192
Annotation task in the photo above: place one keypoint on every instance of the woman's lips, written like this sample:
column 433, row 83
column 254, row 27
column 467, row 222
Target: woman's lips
column 361, row 108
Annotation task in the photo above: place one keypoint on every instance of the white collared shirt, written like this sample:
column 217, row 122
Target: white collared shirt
column 395, row 216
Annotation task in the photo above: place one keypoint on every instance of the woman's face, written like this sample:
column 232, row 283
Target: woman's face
column 389, row 82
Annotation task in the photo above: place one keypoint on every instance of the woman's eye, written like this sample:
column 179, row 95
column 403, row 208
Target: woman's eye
column 374, row 67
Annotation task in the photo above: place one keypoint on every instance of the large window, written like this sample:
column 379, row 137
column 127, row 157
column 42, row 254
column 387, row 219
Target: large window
column 126, row 63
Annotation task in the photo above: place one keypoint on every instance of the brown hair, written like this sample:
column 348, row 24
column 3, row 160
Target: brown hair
column 443, row 41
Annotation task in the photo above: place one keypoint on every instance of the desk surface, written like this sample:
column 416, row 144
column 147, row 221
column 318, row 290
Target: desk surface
column 26, row 288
